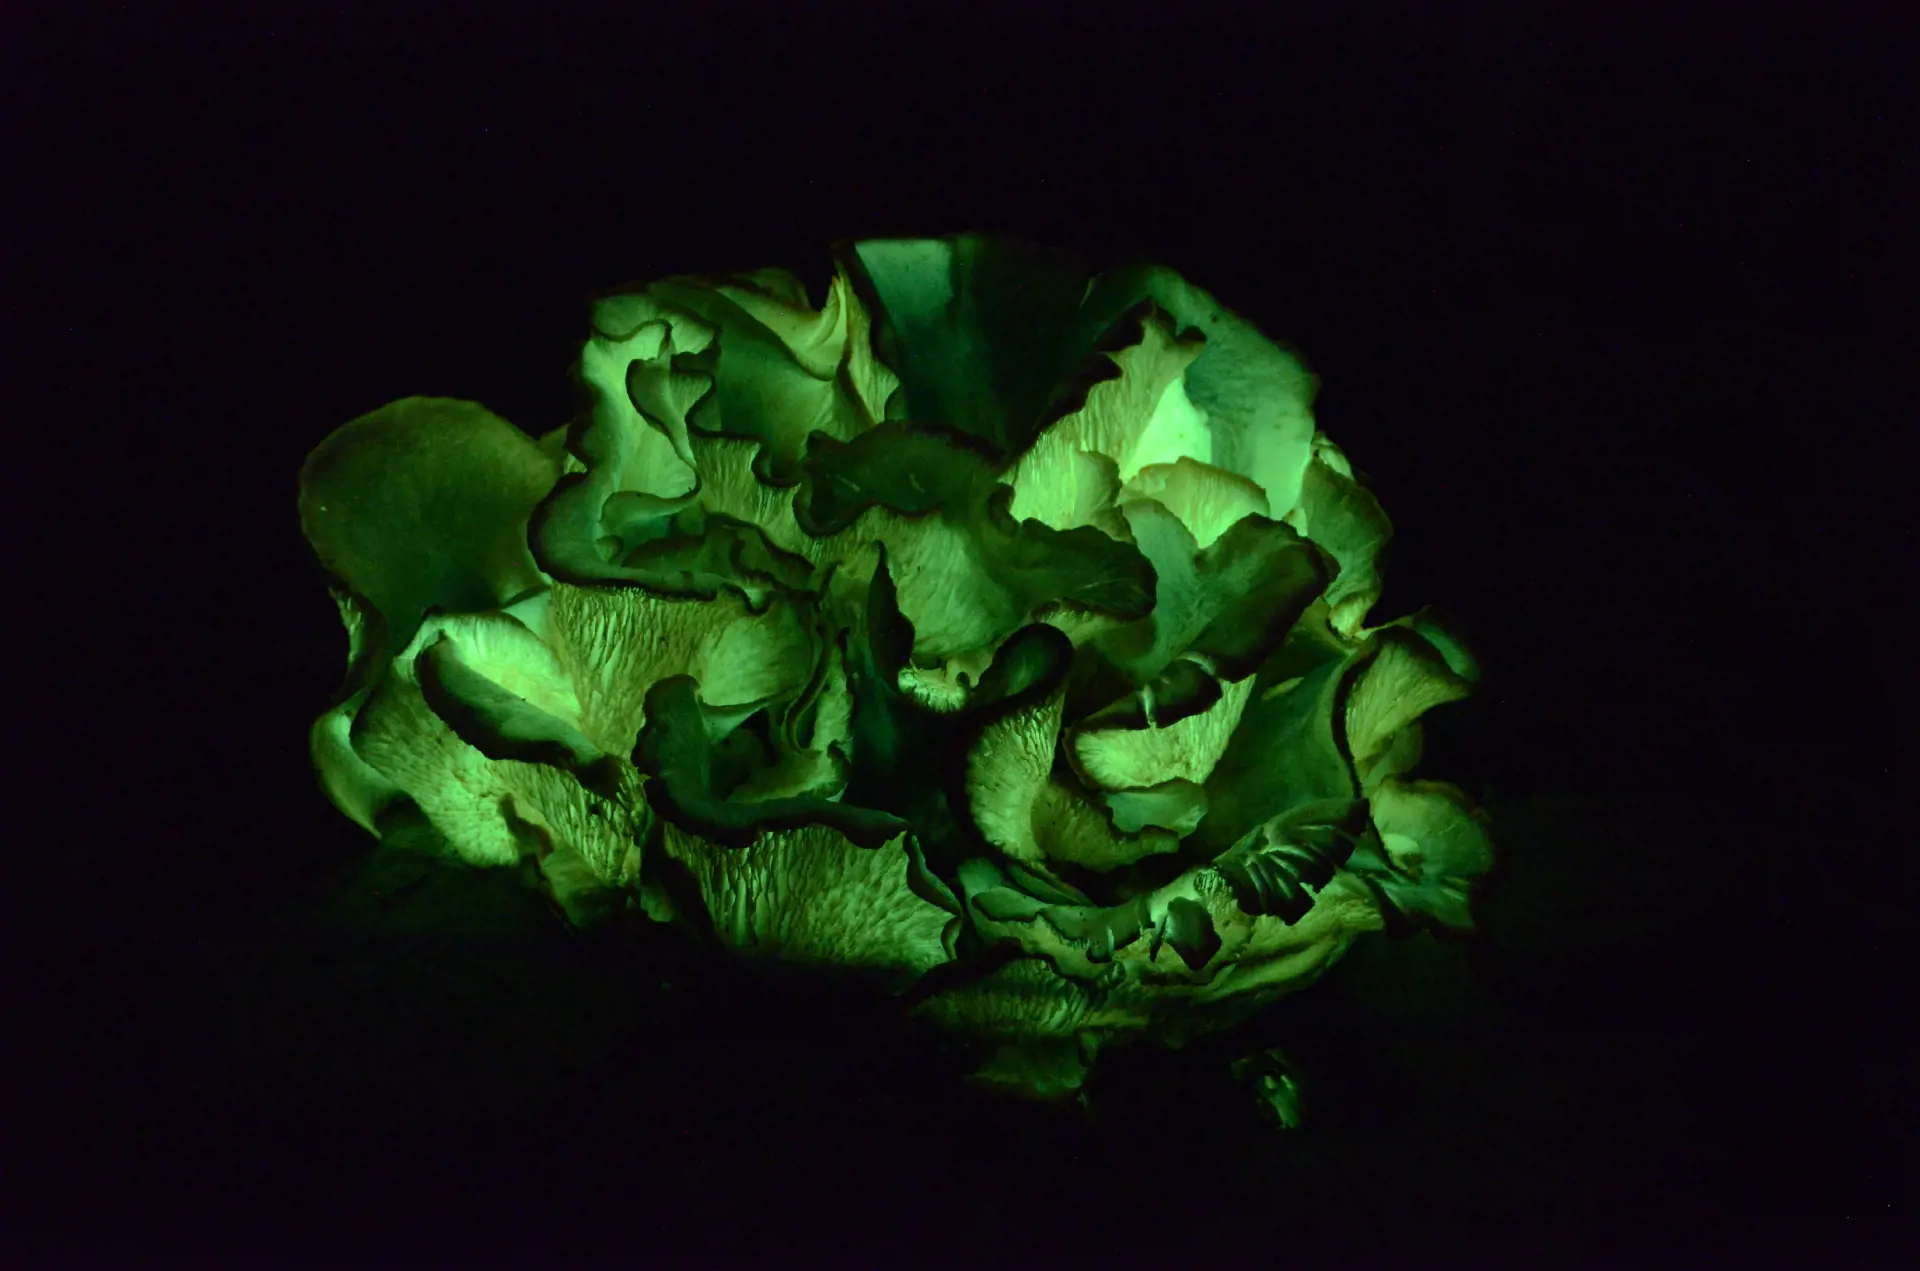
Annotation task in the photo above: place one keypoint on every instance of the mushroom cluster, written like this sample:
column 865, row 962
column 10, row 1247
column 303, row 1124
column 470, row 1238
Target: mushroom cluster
column 996, row 628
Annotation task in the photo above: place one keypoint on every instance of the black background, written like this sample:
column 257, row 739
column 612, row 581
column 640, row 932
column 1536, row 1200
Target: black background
column 1612, row 310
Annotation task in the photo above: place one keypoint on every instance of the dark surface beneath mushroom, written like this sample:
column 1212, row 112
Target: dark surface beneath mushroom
column 424, row 1059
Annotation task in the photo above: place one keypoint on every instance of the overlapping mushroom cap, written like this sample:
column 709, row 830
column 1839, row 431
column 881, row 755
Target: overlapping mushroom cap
column 994, row 616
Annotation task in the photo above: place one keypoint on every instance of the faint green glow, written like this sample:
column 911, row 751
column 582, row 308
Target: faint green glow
column 987, row 625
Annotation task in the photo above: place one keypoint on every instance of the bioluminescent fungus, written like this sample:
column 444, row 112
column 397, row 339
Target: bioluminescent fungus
column 995, row 618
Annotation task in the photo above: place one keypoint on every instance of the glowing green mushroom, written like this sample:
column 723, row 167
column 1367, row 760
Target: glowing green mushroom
column 997, row 628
